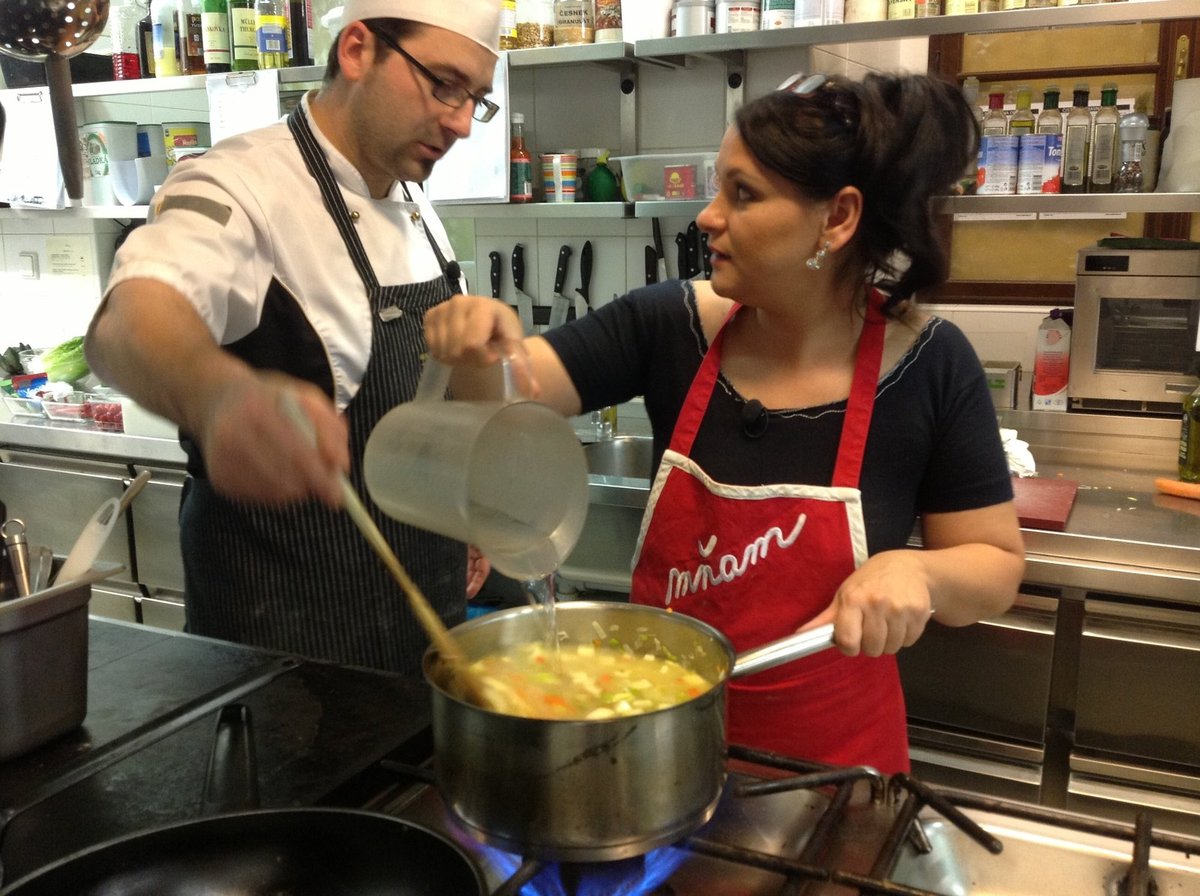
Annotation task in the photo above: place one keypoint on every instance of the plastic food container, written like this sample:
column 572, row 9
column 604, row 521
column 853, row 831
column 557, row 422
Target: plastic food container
column 105, row 412
column 71, row 409
column 650, row 177
column 24, row 407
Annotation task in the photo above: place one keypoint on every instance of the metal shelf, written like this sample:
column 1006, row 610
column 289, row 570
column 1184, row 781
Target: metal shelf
column 91, row 212
column 535, row 210
column 1073, row 203
column 610, row 53
column 671, row 50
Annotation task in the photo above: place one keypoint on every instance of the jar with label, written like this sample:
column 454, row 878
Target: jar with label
column 693, row 17
column 535, row 23
column 928, row 8
column 865, row 10
column 574, row 22
column 961, row 7
column 778, row 14
column 734, row 16
column 901, row 9
column 608, row 21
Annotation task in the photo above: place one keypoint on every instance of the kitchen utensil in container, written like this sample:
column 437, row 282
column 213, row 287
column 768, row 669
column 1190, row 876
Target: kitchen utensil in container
column 593, row 790
column 16, row 545
column 91, row 540
column 52, row 31
column 505, row 474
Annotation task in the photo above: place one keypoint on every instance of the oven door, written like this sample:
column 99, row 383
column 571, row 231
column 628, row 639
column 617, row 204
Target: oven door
column 978, row 697
column 1134, row 343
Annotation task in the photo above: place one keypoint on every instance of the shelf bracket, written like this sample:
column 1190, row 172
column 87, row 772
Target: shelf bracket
column 735, row 84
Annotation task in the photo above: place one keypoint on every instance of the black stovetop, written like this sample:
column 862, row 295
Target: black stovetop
column 140, row 758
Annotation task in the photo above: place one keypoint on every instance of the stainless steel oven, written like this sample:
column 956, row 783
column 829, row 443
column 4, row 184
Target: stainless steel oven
column 1135, row 338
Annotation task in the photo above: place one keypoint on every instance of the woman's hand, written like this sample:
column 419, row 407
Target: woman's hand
column 882, row 606
column 473, row 331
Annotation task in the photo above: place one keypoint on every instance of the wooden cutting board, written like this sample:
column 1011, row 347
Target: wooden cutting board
column 1044, row 503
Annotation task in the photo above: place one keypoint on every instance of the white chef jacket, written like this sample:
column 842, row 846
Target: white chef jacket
column 226, row 223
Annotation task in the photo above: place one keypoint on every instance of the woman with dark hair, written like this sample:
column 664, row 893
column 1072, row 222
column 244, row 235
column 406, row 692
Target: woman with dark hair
column 806, row 414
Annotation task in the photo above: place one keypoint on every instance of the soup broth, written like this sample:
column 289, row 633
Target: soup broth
column 583, row 681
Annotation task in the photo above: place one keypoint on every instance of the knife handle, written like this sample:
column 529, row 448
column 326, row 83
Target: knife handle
column 651, row 265
column 495, row 257
column 518, row 267
column 560, row 273
column 682, row 255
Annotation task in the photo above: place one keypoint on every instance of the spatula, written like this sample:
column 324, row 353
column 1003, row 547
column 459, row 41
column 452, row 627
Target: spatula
column 91, row 540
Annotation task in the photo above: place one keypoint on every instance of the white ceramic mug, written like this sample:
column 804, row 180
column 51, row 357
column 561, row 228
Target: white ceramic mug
column 508, row 476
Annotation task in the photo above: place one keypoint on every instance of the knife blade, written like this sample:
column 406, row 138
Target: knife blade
column 693, row 249
column 560, row 302
column 660, row 258
column 583, row 300
column 495, row 258
column 524, row 300
column 651, row 266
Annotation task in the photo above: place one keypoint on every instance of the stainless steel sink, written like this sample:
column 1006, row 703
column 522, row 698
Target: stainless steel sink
column 628, row 457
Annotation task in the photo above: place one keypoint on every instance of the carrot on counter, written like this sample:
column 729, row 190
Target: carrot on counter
column 1178, row 487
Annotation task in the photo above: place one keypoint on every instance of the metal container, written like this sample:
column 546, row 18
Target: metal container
column 43, row 666
column 583, row 791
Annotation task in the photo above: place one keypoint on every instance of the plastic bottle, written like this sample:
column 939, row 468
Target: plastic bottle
column 1104, row 141
column 1189, row 439
column 1077, row 143
column 520, row 163
column 1129, row 177
column 271, row 33
column 602, row 183
column 162, row 18
column 1052, row 363
column 126, row 59
column 215, row 22
column 191, row 37
column 242, row 38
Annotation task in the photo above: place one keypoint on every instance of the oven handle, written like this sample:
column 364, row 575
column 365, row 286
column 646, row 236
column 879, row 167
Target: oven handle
column 1150, row 626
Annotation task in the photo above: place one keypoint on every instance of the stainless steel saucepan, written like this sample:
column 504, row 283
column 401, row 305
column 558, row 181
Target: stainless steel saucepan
column 600, row 790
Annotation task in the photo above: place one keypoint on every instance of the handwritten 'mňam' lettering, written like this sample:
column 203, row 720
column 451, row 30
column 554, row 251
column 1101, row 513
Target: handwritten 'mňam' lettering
column 728, row 567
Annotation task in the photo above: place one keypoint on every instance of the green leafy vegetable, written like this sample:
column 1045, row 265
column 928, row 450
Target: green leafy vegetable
column 65, row 363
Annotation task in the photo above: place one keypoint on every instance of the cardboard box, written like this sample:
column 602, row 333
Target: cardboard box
column 1004, row 381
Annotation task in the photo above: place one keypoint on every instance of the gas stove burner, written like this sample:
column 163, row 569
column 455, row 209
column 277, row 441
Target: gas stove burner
column 784, row 827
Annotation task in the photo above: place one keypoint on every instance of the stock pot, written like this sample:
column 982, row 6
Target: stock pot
column 583, row 791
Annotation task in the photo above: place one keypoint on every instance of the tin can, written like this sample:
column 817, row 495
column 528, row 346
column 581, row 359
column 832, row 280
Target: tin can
column 997, row 171
column 778, row 14
column 1039, row 157
column 692, row 17
column 734, row 16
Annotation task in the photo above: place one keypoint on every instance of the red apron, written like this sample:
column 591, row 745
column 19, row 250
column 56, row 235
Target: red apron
column 757, row 562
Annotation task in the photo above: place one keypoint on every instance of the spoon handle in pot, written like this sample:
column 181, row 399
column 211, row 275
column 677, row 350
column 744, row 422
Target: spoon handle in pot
column 793, row 647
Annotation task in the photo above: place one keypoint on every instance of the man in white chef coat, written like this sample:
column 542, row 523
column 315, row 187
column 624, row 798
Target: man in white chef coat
column 301, row 258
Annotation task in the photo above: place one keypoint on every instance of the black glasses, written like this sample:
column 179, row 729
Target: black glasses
column 452, row 95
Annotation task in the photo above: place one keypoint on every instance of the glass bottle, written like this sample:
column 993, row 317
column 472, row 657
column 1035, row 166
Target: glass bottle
column 508, row 25
column 146, row 45
column 1050, row 119
column 215, row 21
column 1189, row 439
column 126, row 60
column 995, row 122
column 574, row 22
column 1077, row 142
column 163, row 14
column 271, row 33
column 520, row 163
column 300, row 32
column 1104, row 141
column 242, row 38
column 1130, row 177
column 191, row 37
column 1022, row 121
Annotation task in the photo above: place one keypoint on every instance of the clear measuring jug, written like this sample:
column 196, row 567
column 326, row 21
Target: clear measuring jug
column 505, row 474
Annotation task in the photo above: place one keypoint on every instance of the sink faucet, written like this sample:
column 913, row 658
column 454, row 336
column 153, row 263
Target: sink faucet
column 604, row 423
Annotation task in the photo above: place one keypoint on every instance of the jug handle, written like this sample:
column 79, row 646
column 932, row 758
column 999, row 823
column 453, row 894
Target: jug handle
column 435, row 380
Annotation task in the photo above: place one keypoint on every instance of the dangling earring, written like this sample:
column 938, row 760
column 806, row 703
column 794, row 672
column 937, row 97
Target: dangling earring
column 815, row 263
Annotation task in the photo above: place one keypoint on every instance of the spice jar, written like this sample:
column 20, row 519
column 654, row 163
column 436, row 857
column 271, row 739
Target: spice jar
column 608, row 21
column 535, row 23
column 574, row 22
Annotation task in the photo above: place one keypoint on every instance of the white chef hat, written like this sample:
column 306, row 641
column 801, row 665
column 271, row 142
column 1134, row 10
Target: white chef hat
column 478, row 20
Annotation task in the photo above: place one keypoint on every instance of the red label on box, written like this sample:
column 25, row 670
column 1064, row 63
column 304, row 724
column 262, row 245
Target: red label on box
column 679, row 181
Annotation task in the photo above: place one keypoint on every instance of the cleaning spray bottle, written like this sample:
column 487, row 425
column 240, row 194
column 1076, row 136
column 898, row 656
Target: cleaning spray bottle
column 1051, row 363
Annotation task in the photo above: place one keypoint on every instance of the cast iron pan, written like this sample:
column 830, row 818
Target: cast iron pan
column 300, row 852
column 53, row 31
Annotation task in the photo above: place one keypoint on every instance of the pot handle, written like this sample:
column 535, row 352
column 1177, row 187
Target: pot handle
column 232, row 781
column 793, row 647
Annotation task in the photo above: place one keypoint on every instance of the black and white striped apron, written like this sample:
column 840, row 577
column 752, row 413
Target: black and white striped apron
column 302, row 578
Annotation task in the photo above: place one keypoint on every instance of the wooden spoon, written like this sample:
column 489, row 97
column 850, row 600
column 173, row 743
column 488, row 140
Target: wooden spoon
column 450, row 653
